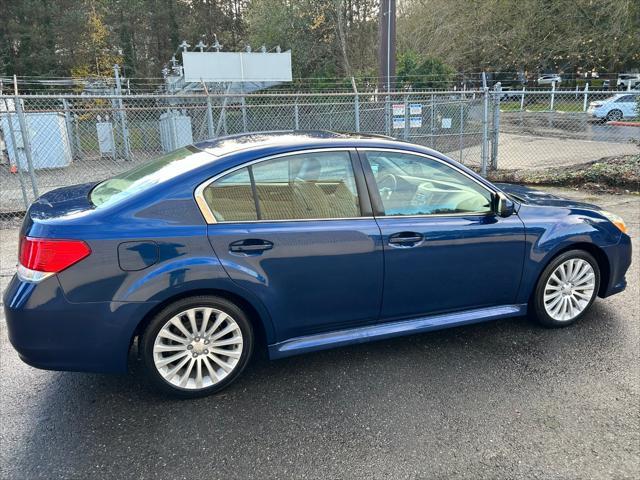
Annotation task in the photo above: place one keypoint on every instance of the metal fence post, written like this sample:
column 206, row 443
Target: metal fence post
column 461, row 128
column 553, row 95
column 244, row 114
column 586, row 97
column 126, row 147
column 26, row 142
column 522, row 99
column 356, row 111
column 387, row 115
column 496, row 127
column 15, row 151
column 406, row 118
column 296, row 115
column 210, row 129
column 356, row 105
column 485, row 132
column 432, row 121
column 69, row 124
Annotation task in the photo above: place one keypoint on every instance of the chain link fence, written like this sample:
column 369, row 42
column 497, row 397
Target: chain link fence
column 52, row 141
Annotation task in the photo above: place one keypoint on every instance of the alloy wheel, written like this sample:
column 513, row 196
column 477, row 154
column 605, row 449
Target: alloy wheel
column 569, row 289
column 197, row 348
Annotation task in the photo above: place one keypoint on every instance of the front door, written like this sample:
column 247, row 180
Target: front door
column 444, row 248
column 296, row 232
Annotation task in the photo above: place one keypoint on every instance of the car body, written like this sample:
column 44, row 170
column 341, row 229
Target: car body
column 309, row 240
column 549, row 79
column 628, row 80
column 615, row 107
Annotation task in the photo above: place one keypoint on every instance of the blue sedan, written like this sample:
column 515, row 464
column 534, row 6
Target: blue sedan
column 293, row 242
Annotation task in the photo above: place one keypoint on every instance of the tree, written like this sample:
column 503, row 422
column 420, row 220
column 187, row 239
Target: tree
column 96, row 56
column 419, row 73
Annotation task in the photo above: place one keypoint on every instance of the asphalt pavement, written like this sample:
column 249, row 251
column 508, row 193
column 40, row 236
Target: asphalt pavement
column 504, row 399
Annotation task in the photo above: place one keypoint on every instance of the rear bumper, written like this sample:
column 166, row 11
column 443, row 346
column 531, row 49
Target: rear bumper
column 51, row 333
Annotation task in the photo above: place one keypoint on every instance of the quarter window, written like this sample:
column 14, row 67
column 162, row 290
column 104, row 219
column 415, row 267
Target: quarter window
column 415, row 185
column 304, row 186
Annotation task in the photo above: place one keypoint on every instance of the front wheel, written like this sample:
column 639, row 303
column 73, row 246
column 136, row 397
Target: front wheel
column 614, row 115
column 566, row 289
column 197, row 346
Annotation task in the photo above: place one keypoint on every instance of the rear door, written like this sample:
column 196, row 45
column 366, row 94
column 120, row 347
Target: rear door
column 297, row 231
column 444, row 248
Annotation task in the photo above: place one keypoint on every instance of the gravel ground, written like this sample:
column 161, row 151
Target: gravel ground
column 505, row 399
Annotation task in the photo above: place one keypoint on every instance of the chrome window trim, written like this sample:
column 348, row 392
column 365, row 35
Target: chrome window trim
column 211, row 219
column 431, row 157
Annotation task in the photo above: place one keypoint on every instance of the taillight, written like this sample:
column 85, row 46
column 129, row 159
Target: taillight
column 51, row 256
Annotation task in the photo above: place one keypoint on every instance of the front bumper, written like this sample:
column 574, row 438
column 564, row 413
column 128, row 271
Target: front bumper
column 52, row 333
column 619, row 257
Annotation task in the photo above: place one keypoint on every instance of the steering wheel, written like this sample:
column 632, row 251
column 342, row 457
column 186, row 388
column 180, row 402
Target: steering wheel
column 387, row 185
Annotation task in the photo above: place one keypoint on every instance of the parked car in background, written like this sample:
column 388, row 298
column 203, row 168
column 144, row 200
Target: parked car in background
column 616, row 107
column 510, row 94
column 628, row 80
column 548, row 79
column 293, row 242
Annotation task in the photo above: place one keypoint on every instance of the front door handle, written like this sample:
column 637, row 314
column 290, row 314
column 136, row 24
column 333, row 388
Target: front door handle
column 255, row 246
column 405, row 239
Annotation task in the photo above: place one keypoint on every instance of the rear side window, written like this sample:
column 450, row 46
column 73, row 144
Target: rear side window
column 147, row 175
column 305, row 186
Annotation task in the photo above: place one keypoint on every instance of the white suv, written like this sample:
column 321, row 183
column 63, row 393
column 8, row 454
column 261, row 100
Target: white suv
column 626, row 79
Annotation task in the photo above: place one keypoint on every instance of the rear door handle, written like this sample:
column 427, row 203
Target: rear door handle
column 254, row 246
column 405, row 239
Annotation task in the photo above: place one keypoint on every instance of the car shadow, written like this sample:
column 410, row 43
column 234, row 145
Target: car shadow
column 89, row 425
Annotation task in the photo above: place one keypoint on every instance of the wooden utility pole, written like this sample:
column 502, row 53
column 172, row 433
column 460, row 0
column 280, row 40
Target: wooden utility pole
column 387, row 45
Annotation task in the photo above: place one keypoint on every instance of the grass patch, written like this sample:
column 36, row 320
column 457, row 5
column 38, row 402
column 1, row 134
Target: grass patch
column 611, row 173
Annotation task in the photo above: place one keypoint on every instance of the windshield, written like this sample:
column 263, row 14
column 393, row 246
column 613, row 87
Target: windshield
column 147, row 175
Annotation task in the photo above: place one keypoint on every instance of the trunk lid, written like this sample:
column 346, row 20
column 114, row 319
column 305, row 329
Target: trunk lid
column 61, row 203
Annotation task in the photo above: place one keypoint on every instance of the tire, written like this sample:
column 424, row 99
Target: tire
column 558, row 301
column 189, row 363
column 614, row 115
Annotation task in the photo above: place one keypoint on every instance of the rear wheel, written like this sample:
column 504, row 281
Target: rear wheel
column 614, row 115
column 566, row 289
column 197, row 346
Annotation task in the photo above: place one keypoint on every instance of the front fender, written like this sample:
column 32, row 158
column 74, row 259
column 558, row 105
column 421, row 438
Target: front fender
column 551, row 230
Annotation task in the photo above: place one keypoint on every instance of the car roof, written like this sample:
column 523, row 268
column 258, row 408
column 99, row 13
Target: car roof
column 293, row 138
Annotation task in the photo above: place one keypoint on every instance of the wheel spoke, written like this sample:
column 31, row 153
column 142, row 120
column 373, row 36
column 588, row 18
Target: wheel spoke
column 168, row 335
column 228, row 353
column 199, row 372
column 191, row 315
column 170, row 359
column 212, row 371
column 228, row 329
column 206, row 314
column 228, row 341
column 161, row 347
column 225, row 366
column 177, row 322
column 185, row 377
column 172, row 373
column 221, row 317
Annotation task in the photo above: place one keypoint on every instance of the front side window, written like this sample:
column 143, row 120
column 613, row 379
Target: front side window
column 415, row 185
column 304, row 186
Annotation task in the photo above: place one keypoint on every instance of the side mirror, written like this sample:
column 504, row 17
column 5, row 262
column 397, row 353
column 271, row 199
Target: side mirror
column 504, row 206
